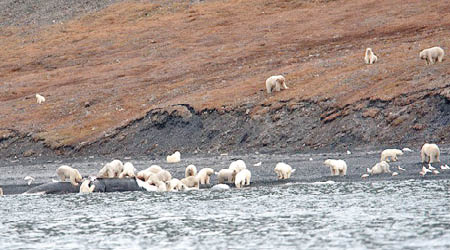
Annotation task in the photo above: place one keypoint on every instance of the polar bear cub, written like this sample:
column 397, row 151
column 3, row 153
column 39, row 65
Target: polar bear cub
column 67, row 172
column 390, row 153
column 243, row 178
column 370, row 57
column 85, row 188
column 283, row 170
column 227, row 175
column 276, row 82
column 111, row 170
column 40, row 99
column 128, row 170
column 191, row 182
column 432, row 55
column 174, row 158
column 191, row 170
column 204, row 175
column 379, row 168
column 430, row 153
column 238, row 165
column 337, row 167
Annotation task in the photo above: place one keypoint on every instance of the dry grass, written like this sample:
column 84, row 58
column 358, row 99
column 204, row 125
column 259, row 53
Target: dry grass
column 103, row 70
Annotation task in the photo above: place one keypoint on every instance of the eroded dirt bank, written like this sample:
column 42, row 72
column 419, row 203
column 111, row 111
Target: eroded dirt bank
column 151, row 77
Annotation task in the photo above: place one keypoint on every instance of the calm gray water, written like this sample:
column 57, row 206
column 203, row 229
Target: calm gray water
column 413, row 214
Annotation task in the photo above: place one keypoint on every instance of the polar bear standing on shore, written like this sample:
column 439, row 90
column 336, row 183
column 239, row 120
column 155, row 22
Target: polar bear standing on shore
column 432, row 55
column 191, row 170
column 204, row 175
column 128, row 170
column 370, row 57
column 67, row 172
column 430, row 153
column 276, row 82
column 238, row 165
column 390, row 153
column 85, row 188
column 283, row 170
column 379, row 168
column 337, row 167
column 227, row 175
column 174, row 158
column 111, row 170
column 243, row 178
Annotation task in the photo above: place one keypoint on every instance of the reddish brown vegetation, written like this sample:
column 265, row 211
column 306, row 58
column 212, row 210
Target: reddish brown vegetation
column 103, row 70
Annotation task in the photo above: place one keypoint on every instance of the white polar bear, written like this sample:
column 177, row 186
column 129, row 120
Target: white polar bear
column 191, row 182
column 243, row 178
column 40, row 99
column 220, row 187
column 204, row 175
column 276, row 82
column 379, row 168
column 111, row 170
column 128, row 170
column 432, row 55
column 430, row 153
column 191, row 170
column 161, row 186
column 174, row 158
column 85, row 188
column 145, row 174
column 283, row 170
column 67, row 172
column 390, row 153
column 238, row 165
column 227, row 175
column 164, row 176
column 175, row 185
column 370, row 57
column 337, row 167
column 154, row 169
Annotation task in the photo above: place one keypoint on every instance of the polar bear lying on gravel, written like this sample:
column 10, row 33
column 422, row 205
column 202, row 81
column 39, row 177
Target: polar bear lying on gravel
column 67, row 172
column 204, row 175
column 243, row 178
column 276, row 82
column 390, row 153
column 283, row 170
column 191, row 170
column 128, row 170
column 174, row 158
column 370, row 57
column 432, row 55
column 111, row 170
column 379, row 168
column 337, row 167
column 430, row 153
column 227, row 175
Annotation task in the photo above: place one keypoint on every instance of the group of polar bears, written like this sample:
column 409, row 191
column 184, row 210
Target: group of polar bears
column 430, row 55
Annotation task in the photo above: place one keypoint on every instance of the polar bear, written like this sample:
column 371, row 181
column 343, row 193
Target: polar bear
column 174, row 158
column 191, row 182
column 85, row 188
column 432, row 55
column 243, row 178
column 162, row 186
column 164, row 175
column 390, row 153
column 379, row 168
column 220, row 187
column 154, row 169
column 283, row 170
column 276, row 82
column 40, row 99
column 128, row 170
column 67, row 172
column 175, row 185
column 111, row 170
column 430, row 153
column 191, row 170
column 226, row 174
column 145, row 174
column 204, row 175
column 237, row 165
column 337, row 167
column 370, row 57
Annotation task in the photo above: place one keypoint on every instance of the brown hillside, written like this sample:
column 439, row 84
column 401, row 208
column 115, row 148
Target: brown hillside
column 108, row 68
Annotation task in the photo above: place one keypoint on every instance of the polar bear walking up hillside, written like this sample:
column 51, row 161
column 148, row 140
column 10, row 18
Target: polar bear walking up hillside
column 432, row 55
column 370, row 57
column 276, row 82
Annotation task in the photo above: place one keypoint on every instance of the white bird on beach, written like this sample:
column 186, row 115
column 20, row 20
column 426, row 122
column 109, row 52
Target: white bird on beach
column 407, row 150
column 258, row 164
column 29, row 179
column 401, row 169
column 430, row 167
column 348, row 152
column 310, row 159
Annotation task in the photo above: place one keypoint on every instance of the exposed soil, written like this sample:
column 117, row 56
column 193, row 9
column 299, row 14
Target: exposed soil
column 151, row 77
